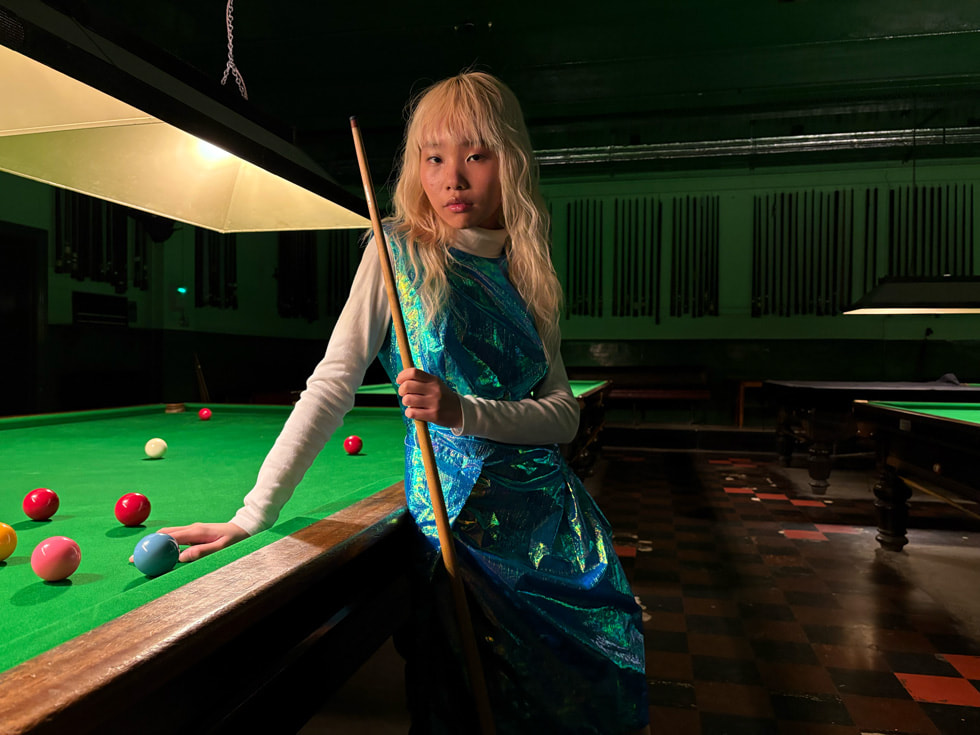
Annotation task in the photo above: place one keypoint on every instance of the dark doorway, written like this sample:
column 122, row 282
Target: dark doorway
column 23, row 304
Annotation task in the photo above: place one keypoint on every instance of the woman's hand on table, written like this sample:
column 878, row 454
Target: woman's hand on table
column 202, row 539
column 427, row 398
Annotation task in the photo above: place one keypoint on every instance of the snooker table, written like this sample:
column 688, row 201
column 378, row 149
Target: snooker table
column 934, row 447
column 251, row 638
column 818, row 414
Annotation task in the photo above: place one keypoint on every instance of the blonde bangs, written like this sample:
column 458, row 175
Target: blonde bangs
column 458, row 113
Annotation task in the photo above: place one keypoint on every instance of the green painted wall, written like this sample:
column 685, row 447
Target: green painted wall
column 251, row 350
column 31, row 204
column 736, row 190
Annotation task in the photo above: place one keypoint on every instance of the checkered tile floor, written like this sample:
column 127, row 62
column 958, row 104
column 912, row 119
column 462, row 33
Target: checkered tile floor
column 769, row 610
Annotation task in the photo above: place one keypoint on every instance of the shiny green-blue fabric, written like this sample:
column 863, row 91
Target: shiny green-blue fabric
column 533, row 547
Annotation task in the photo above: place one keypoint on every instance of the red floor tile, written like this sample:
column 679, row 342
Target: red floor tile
column 968, row 666
column 808, row 503
column 941, row 689
column 804, row 535
column 739, row 490
column 772, row 496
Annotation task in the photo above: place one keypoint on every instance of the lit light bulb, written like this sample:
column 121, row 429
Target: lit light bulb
column 210, row 152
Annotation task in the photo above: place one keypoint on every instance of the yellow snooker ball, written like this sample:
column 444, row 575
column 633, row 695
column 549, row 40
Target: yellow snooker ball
column 155, row 448
column 8, row 541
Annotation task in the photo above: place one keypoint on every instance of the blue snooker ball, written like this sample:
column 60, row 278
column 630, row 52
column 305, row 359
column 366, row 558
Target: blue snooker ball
column 156, row 554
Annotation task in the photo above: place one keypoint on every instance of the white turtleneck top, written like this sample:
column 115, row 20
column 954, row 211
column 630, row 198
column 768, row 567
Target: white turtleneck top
column 551, row 416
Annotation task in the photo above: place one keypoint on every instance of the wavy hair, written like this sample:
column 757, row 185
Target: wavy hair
column 478, row 107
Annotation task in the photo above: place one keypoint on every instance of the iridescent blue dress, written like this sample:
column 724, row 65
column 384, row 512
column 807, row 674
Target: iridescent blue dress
column 559, row 632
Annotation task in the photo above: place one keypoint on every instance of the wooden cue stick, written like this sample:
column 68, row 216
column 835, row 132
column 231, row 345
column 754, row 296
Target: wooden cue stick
column 446, row 543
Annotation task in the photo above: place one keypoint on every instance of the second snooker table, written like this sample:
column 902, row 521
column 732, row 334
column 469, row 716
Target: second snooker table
column 934, row 447
column 250, row 638
column 818, row 413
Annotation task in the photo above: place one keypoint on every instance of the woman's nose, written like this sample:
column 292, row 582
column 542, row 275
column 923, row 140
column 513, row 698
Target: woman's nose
column 456, row 180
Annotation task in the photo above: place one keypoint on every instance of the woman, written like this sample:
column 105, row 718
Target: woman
column 558, row 629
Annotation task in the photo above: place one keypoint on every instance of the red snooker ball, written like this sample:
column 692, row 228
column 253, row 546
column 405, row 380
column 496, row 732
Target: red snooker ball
column 56, row 558
column 41, row 504
column 353, row 444
column 132, row 509
column 204, row 414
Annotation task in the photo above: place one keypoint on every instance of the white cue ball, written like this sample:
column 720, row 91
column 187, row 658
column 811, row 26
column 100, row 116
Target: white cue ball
column 155, row 448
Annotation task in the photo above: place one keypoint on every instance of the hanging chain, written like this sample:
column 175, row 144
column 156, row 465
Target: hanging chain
column 230, row 67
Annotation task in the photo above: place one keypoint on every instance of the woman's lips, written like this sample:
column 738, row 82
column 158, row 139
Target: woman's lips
column 458, row 206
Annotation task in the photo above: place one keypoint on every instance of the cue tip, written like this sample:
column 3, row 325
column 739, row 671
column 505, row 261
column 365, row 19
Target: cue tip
column 353, row 121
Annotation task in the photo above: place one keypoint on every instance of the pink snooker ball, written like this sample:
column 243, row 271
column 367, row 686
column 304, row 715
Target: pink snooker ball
column 204, row 414
column 56, row 558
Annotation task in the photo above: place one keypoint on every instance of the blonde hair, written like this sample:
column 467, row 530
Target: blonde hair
column 475, row 106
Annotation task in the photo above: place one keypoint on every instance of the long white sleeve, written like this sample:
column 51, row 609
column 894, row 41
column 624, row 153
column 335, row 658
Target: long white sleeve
column 551, row 416
column 329, row 395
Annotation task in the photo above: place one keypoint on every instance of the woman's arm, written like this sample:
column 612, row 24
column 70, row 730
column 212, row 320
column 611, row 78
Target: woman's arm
column 355, row 342
column 329, row 395
column 551, row 416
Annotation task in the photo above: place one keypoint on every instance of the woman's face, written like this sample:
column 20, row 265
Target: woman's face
column 462, row 183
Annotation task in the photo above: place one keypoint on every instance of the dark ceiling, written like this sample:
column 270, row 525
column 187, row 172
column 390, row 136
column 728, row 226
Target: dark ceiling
column 590, row 75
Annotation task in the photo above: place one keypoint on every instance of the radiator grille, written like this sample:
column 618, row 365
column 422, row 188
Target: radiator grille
column 694, row 256
column 803, row 250
column 636, row 257
column 215, row 269
column 930, row 230
column 583, row 287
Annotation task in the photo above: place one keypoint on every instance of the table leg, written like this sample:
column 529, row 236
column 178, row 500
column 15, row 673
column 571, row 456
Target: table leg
column 818, row 467
column 785, row 439
column 892, row 508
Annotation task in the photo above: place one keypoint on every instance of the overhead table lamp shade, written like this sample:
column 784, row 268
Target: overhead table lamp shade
column 937, row 295
column 83, row 113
